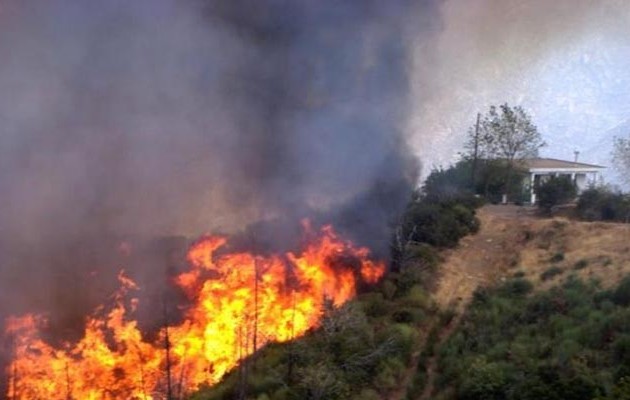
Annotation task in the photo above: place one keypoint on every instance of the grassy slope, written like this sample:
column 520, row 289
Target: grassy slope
column 511, row 244
column 419, row 324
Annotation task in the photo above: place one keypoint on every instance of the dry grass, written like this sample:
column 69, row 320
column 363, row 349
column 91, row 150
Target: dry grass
column 515, row 242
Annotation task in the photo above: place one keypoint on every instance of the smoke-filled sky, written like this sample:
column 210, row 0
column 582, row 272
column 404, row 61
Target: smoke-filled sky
column 169, row 117
column 122, row 120
column 565, row 61
column 164, row 116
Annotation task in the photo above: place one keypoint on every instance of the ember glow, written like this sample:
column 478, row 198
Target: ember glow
column 240, row 302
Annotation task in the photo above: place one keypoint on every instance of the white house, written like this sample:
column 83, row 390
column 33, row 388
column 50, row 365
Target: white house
column 540, row 169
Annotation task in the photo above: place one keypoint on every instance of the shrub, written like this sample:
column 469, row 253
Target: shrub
column 417, row 384
column 621, row 391
column 416, row 297
column 433, row 224
column 556, row 258
column 438, row 222
column 621, row 295
column 390, row 373
column 516, row 288
column 601, row 204
column 374, row 305
column 483, row 380
column 555, row 191
column 621, row 349
column 550, row 273
column 581, row 264
column 408, row 315
column 569, row 342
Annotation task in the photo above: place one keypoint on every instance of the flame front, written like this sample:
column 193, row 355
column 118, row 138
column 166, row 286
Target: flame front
column 239, row 301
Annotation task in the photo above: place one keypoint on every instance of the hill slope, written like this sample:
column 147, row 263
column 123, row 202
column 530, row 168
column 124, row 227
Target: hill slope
column 390, row 342
column 513, row 241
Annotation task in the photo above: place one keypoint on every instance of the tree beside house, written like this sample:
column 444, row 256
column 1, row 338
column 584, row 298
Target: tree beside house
column 501, row 162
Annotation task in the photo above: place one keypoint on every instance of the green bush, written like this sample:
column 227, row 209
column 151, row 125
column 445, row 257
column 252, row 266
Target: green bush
column 570, row 342
column 550, row 273
column 581, row 264
column 416, row 297
column 621, row 295
column 408, row 315
column 516, row 288
column 483, row 381
column 601, row 204
column 556, row 190
column 457, row 181
column 439, row 224
column 374, row 304
column 390, row 373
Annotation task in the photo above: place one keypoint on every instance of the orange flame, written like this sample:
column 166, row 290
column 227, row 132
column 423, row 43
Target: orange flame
column 240, row 302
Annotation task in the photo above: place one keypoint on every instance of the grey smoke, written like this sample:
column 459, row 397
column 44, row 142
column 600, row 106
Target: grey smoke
column 158, row 118
column 565, row 61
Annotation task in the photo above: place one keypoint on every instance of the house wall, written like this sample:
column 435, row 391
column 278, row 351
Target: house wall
column 582, row 179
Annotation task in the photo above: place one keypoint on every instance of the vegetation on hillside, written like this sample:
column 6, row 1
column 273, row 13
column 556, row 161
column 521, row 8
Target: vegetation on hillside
column 570, row 342
column 554, row 191
column 486, row 179
column 602, row 204
column 363, row 349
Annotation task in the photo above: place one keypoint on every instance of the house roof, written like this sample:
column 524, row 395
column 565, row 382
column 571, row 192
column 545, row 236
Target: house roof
column 553, row 164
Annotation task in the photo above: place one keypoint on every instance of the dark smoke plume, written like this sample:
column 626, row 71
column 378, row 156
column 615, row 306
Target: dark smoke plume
column 135, row 121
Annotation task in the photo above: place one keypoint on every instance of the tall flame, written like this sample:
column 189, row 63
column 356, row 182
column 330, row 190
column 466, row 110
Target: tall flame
column 240, row 302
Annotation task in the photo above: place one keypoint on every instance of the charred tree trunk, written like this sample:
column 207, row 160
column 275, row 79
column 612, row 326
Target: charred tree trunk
column 14, row 381
column 255, row 333
column 167, row 348
column 291, row 361
column 180, row 384
column 243, row 368
column 68, row 384
column 142, row 378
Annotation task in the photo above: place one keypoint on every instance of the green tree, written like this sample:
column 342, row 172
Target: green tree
column 456, row 180
column 505, row 133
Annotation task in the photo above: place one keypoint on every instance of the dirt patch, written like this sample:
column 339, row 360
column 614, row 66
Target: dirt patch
column 486, row 257
column 514, row 241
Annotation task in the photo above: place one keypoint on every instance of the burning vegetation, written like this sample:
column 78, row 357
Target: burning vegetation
column 238, row 302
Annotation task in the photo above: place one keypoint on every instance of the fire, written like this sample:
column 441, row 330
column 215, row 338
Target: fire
column 240, row 302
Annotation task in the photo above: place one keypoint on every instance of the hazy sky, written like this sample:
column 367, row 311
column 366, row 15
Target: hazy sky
column 566, row 61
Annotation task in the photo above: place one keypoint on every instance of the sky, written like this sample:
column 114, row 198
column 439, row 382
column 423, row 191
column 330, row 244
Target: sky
column 565, row 61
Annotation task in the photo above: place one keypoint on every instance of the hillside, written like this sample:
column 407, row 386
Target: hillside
column 402, row 340
column 513, row 241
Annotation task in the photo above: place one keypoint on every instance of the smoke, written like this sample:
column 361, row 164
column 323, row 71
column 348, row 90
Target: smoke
column 159, row 117
column 127, row 127
column 564, row 61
